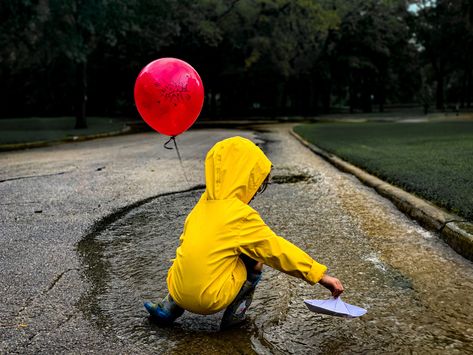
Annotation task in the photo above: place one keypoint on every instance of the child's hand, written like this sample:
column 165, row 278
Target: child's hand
column 333, row 284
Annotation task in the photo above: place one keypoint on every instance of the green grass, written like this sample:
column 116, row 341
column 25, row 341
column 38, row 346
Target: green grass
column 433, row 160
column 34, row 129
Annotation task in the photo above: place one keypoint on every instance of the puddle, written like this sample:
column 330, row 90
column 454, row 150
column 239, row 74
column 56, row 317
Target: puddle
column 289, row 175
column 126, row 263
column 126, row 260
column 289, row 179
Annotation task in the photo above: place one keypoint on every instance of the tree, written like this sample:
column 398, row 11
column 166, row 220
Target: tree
column 373, row 36
column 21, row 27
column 444, row 30
column 264, row 57
column 271, row 48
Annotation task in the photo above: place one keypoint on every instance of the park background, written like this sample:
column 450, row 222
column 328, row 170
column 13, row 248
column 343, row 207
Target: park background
column 68, row 68
column 255, row 57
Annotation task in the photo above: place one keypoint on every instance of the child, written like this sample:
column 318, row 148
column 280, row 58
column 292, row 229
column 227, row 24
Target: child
column 225, row 242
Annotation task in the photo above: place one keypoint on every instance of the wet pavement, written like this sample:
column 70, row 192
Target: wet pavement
column 95, row 275
column 50, row 199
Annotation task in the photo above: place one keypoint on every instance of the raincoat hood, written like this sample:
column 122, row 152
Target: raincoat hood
column 235, row 168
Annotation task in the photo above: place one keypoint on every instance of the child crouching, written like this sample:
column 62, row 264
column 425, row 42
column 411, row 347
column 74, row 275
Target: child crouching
column 225, row 242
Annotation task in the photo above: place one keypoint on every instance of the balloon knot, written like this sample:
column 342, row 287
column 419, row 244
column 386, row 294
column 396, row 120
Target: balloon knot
column 169, row 141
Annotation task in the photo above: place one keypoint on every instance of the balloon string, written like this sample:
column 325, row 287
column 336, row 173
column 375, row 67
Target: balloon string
column 179, row 156
column 173, row 138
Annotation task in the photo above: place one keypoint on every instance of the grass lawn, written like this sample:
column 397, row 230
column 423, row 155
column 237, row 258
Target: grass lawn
column 433, row 160
column 34, row 129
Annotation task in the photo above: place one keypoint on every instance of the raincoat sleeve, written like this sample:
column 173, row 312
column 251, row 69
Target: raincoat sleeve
column 259, row 242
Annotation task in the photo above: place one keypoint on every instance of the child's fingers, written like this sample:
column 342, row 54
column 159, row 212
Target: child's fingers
column 337, row 293
column 333, row 284
column 338, row 289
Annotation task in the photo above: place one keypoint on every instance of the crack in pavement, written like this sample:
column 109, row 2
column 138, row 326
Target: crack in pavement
column 34, row 176
column 24, row 324
column 42, row 293
column 19, row 203
column 56, row 280
column 31, row 337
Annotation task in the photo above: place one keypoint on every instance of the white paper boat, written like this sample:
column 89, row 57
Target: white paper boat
column 335, row 307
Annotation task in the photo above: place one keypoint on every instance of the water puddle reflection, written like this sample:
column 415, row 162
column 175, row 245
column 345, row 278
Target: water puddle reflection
column 127, row 259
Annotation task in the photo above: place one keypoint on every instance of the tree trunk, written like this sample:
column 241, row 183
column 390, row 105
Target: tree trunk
column 285, row 98
column 439, row 94
column 366, row 101
column 382, row 89
column 213, row 103
column 81, row 81
column 366, row 97
column 351, row 98
column 381, row 102
column 326, row 97
column 312, row 97
column 463, row 92
column 279, row 102
column 469, row 90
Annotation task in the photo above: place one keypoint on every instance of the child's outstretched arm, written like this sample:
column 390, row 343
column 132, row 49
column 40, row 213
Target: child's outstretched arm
column 259, row 242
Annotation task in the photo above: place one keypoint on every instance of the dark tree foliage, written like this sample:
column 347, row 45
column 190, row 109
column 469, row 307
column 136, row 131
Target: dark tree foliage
column 256, row 57
column 444, row 30
column 372, row 41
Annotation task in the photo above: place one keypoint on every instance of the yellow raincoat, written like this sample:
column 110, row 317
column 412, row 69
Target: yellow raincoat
column 207, row 272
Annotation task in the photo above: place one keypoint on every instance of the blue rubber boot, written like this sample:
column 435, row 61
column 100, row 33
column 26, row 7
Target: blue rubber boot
column 235, row 312
column 164, row 312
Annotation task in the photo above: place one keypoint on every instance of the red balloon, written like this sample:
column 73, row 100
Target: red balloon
column 169, row 95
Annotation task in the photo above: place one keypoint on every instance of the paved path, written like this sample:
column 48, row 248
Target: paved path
column 51, row 197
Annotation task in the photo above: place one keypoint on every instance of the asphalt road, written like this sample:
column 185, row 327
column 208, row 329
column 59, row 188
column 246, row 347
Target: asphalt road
column 52, row 197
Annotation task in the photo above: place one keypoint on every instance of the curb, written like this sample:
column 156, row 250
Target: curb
column 40, row 144
column 454, row 230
